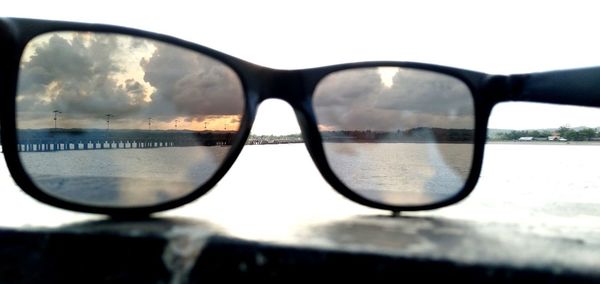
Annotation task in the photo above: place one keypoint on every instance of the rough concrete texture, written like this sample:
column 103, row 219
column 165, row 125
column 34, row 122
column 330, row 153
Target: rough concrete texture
column 378, row 247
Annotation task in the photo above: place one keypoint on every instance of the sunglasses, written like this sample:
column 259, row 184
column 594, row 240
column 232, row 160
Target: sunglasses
column 123, row 122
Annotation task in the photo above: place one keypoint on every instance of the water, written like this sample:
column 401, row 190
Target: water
column 561, row 180
column 554, row 188
column 402, row 174
column 277, row 187
column 123, row 177
column 389, row 173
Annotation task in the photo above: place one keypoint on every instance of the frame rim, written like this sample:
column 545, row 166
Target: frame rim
column 24, row 30
column 259, row 83
column 482, row 105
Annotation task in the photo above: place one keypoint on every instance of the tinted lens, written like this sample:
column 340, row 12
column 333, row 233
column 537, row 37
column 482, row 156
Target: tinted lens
column 121, row 121
column 397, row 136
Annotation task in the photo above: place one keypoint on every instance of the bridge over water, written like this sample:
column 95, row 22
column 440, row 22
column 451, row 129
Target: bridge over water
column 42, row 140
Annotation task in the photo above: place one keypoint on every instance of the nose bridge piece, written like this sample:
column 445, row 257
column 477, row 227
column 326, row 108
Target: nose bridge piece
column 285, row 85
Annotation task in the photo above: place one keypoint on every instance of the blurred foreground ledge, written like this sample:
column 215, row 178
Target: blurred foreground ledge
column 168, row 250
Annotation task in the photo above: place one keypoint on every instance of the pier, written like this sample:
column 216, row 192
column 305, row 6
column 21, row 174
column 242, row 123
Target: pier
column 44, row 140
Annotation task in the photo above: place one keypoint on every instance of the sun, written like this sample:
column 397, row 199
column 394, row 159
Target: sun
column 386, row 74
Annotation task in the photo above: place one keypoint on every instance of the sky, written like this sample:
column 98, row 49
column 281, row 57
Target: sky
column 500, row 37
column 86, row 79
column 391, row 99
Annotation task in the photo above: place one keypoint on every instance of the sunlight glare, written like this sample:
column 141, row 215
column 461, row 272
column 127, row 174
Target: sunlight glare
column 387, row 75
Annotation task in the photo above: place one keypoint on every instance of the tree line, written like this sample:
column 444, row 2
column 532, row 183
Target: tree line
column 571, row 134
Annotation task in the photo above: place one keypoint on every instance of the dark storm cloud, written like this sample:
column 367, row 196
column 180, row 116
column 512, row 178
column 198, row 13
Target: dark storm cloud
column 358, row 99
column 192, row 85
column 56, row 60
column 77, row 77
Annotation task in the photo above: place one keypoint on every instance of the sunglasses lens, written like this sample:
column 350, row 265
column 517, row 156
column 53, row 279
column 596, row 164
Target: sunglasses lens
column 397, row 136
column 119, row 121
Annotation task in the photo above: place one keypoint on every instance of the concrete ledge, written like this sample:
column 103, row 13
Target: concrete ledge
column 249, row 260
column 380, row 248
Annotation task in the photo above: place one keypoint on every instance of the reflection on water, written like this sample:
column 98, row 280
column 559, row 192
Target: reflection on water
column 273, row 190
column 402, row 173
column 125, row 177
column 393, row 173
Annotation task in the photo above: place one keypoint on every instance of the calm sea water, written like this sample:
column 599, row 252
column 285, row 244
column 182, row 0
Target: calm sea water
column 528, row 184
column 392, row 173
column 561, row 180
column 123, row 177
column 402, row 173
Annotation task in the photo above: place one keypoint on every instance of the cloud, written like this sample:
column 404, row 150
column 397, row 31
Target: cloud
column 348, row 87
column 42, row 67
column 426, row 92
column 88, row 75
column 342, row 100
column 359, row 99
column 77, row 74
column 192, row 85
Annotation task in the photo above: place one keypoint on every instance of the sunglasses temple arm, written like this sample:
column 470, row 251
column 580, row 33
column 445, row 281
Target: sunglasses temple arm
column 571, row 87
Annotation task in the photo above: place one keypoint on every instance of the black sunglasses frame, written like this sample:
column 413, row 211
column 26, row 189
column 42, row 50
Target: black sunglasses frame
column 574, row 87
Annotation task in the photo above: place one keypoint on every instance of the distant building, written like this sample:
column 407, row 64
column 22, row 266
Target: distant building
column 525, row 138
column 556, row 138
